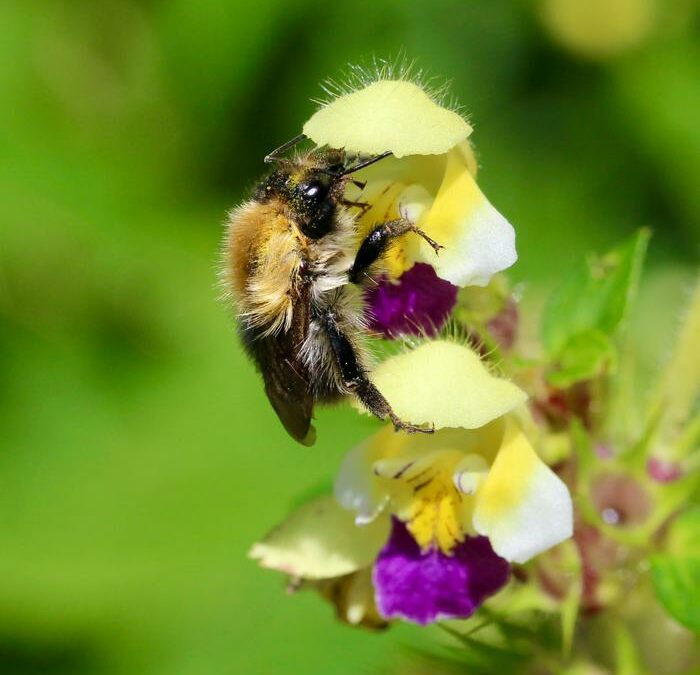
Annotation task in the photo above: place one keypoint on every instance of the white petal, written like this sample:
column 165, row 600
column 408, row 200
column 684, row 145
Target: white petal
column 523, row 507
column 485, row 247
column 356, row 487
column 320, row 540
column 478, row 241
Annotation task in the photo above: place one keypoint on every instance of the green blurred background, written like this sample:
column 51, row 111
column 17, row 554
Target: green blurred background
column 139, row 458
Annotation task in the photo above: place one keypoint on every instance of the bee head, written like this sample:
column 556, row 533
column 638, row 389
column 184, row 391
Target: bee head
column 311, row 192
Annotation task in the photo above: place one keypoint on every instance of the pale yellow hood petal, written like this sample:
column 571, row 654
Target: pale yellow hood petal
column 445, row 384
column 388, row 115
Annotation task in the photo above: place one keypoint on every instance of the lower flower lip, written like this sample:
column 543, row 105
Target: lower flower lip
column 419, row 303
column 424, row 587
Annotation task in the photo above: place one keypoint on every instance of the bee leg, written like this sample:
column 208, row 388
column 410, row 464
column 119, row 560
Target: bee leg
column 355, row 379
column 377, row 241
column 362, row 206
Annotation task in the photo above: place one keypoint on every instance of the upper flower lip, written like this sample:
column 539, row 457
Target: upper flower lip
column 447, row 385
column 397, row 116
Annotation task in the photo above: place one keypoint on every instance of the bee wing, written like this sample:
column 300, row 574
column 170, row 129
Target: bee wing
column 286, row 383
column 291, row 397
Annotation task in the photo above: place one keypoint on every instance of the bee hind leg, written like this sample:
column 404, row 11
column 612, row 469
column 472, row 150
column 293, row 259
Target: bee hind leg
column 375, row 402
column 355, row 379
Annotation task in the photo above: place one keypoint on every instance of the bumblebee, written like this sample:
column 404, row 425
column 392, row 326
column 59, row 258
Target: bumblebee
column 295, row 274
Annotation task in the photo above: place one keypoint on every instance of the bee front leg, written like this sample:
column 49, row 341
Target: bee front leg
column 377, row 241
column 356, row 380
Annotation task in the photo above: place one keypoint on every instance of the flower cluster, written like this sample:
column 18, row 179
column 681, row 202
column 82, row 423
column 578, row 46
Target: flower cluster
column 427, row 527
column 424, row 527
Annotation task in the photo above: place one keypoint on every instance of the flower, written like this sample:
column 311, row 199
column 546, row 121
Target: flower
column 438, row 517
column 477, row 474
column 663, row 471
column 377, row 572
column 320, row 541
column 429, row 179
column 599, row 29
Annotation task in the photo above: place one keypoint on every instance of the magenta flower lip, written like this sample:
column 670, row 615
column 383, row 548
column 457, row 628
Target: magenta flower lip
column 423, row 587
column 419, row 303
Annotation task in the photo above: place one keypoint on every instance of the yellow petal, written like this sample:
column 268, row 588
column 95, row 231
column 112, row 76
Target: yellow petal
column 320, row 540
column 424, row 496
column 445, row 384
column 387, row 115
column 523, row 507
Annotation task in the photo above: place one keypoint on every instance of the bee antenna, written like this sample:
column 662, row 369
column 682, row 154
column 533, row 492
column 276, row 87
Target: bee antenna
column 365, row 163
column 274, row 156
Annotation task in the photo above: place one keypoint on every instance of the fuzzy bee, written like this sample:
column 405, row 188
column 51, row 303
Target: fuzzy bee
column 294, row 270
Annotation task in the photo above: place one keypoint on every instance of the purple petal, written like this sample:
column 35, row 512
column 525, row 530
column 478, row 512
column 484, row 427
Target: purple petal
column 426, row 587
column 418, row 303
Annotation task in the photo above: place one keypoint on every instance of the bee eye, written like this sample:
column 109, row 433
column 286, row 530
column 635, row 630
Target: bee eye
column 313, row 190
column 313, row 204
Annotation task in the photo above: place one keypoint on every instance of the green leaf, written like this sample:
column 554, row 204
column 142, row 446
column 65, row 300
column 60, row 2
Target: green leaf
column 684, row 537
column 676, row 573
column 676, row 581
column 585, row 356
column 596, row 297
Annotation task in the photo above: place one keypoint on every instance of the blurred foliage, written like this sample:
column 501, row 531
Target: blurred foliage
column 676, row 573
column 138, row 455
